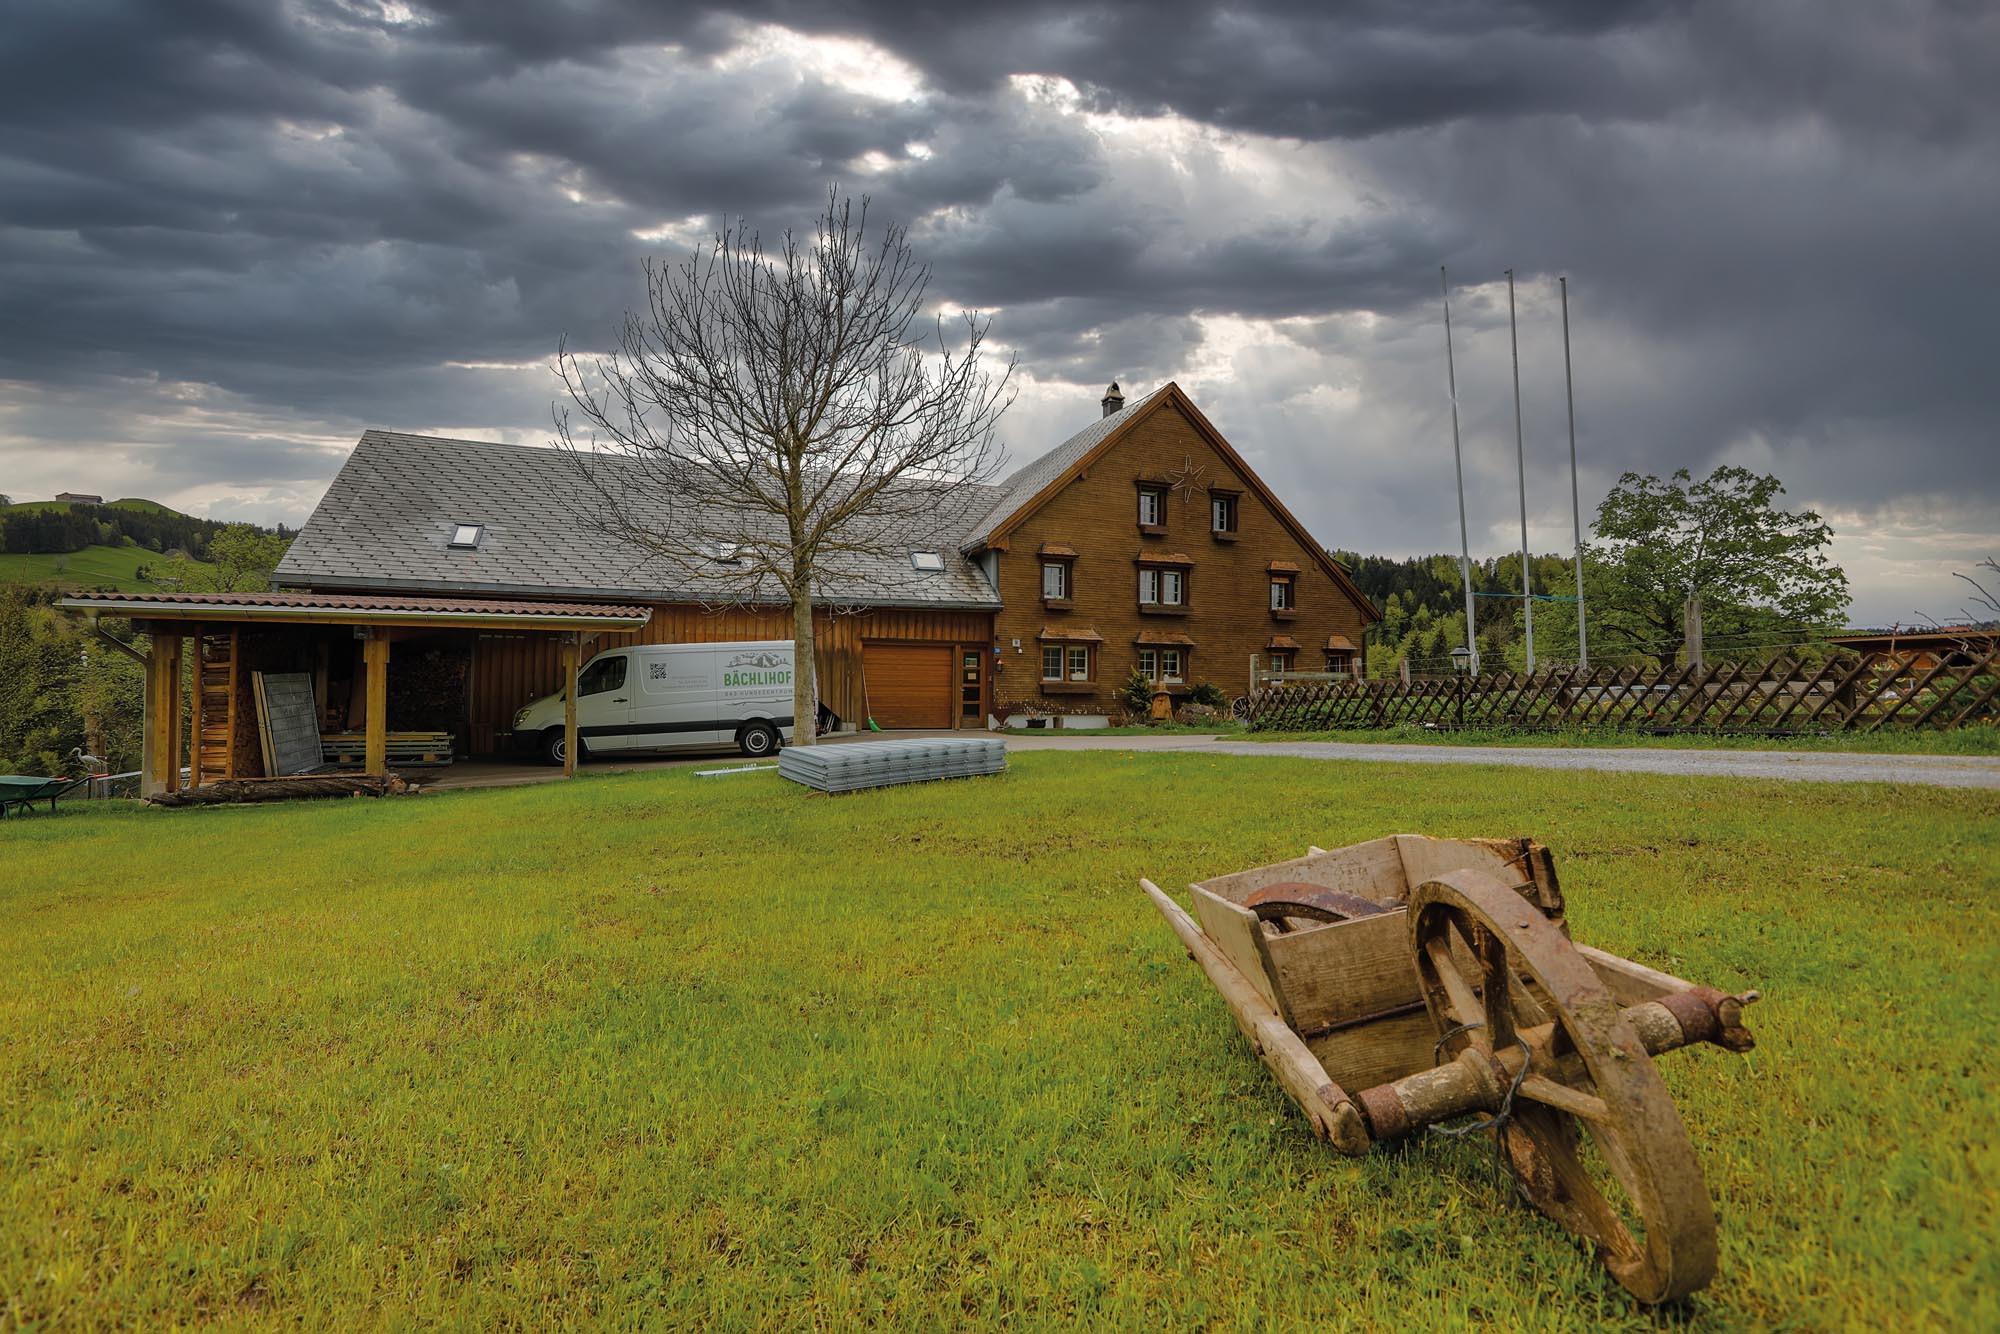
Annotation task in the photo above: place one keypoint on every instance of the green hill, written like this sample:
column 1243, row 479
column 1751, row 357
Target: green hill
column 133, row 503
column 91, row 568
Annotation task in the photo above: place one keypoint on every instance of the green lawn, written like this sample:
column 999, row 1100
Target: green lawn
column 93, row 567
column 657, row 1049
column 1977, row 740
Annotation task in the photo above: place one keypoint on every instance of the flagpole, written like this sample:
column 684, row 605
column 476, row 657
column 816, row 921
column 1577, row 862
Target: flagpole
column 1521, row 464
column 1575, row 506
column 1459, row 465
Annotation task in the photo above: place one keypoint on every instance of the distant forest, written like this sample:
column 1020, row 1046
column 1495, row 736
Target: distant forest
column 1423, row 606
column 58, row 530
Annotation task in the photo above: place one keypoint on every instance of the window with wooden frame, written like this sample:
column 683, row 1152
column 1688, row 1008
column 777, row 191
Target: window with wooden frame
column 1284, row 593
column 1222, row 515
column 1052, row 662
column 1340, row 662
column 1165, row 666
column 1281, row 660
column 1153, row 509
column 1162, row 588
column 1056, row 580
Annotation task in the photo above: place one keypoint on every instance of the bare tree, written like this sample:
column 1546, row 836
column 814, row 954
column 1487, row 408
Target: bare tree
column 1972, row 623
column 1986, row 599
column 774, row 427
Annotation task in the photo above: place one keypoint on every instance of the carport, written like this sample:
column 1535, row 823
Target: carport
column 213, row 639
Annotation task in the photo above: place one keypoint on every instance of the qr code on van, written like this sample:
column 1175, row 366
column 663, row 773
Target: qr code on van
column 656, row 671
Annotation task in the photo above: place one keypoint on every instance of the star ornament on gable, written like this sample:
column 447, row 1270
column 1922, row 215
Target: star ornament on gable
column 1187, row 479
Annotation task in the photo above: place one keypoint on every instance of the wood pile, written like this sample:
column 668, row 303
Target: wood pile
column 406, row 750
column 234, row 791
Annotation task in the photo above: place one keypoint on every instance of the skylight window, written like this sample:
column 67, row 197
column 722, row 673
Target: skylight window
column 466, row 535
column 726, row 553
column 930, row 562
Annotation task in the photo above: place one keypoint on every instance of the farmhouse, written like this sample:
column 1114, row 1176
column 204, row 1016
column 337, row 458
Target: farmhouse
column 1143, row 541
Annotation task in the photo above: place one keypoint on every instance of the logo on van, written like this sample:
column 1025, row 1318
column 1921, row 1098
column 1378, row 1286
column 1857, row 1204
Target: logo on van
column 757, row 669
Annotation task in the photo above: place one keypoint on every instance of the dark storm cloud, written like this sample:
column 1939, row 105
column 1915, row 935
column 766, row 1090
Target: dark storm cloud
column 1776, row 216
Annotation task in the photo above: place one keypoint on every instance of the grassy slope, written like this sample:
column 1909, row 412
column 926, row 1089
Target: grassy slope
column 92, row 567
column 124, row 503
column 659, row 1048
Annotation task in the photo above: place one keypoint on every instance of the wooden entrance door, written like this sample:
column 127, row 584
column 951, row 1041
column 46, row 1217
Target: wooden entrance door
column 971, row 696
column 908, row 685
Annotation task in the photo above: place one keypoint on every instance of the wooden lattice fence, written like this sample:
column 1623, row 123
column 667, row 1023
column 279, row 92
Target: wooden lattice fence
column 1848, row 692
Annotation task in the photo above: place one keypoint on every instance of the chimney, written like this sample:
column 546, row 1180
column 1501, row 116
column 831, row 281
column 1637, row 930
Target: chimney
column 1113, row 400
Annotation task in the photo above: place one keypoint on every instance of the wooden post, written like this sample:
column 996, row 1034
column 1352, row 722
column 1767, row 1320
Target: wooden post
column 569, row 656
column 195, row 719
column 162, row 767
column 375, row 658
column 1691, row 629
column 149, row 726
column 175, row 651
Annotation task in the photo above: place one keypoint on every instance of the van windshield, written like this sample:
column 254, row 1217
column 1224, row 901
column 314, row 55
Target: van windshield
column 602, row 675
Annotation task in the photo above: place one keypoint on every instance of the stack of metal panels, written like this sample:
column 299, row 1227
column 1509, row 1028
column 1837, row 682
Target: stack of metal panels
column 845, row 767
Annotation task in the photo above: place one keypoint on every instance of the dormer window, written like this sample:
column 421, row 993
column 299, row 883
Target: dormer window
column 465, row 536
column 928, row 562
column 726, row 553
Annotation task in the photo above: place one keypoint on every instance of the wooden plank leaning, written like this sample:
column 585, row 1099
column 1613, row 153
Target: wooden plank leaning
column 1333, row 1114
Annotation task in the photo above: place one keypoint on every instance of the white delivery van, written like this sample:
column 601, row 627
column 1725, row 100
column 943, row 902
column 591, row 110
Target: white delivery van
column 670, row 697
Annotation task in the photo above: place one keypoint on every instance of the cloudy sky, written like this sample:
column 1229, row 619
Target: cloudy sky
column 233, row 233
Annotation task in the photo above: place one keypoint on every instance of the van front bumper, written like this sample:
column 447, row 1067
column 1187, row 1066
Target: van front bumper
column 520, row 743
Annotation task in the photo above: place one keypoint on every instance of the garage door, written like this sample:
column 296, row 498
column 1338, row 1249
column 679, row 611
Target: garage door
column 908, row 685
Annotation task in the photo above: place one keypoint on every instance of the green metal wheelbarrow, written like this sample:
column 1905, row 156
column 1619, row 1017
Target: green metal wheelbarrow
column 19, row 792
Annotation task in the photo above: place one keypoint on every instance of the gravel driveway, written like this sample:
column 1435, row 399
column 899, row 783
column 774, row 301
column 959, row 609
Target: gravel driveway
column 1801, row 766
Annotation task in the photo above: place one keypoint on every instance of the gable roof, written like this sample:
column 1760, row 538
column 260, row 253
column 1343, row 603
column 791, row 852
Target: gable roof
column 1032, row 486
column 1023, row 488
column 386, row 523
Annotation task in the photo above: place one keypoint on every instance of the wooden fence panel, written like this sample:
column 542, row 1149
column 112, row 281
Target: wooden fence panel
column 1779, row 695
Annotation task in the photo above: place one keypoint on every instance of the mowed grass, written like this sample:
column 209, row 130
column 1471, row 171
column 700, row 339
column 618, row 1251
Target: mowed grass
column 653, row 1049
column 115, row 568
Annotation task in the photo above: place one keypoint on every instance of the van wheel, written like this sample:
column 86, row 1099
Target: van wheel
column 757, row 740
column 553, row 748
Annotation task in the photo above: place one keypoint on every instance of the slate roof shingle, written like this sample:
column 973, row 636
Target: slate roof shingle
column 387, row 520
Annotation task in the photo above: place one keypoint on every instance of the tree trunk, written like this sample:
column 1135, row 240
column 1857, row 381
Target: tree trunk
column 805, row 674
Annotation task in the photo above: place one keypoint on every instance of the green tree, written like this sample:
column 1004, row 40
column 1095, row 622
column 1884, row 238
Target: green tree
column 1761, row 573
column 39, row 661
column 240, row 560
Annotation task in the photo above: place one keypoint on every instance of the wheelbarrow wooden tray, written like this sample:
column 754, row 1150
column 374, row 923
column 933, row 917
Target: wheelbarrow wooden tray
column 1337, row 1007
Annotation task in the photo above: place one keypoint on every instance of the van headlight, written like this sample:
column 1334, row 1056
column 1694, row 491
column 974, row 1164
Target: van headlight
column 520, row 719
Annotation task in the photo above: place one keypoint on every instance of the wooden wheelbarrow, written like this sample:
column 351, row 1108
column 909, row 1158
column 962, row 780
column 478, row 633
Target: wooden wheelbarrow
column 1412, row 981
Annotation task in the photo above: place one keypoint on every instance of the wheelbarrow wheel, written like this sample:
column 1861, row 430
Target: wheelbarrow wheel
column 1591, row 1133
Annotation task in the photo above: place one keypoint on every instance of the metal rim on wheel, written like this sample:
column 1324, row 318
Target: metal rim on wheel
column 1500, row 977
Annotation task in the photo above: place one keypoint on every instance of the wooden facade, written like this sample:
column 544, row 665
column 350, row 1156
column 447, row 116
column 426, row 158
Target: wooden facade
column 509, row 669
column 1090, row 522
